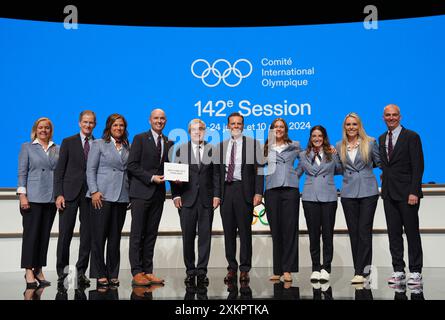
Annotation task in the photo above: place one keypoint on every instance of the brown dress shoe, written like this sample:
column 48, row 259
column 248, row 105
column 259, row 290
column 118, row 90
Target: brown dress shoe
column 244, row 276
column 140, row 280
column 231, row 276
column 153, row 279
column 153, row 287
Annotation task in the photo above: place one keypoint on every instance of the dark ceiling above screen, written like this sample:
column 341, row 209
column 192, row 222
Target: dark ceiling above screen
column 218, row 13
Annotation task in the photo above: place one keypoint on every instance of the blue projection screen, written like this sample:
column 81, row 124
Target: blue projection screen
column 312, row 74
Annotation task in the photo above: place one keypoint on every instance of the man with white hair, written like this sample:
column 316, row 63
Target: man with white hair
column 196, row 200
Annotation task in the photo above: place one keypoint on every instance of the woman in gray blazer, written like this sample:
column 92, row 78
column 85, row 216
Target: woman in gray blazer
column 320, row 163
column 359, row 153
column 282, row 199
column 37, row 162
column 108, row 188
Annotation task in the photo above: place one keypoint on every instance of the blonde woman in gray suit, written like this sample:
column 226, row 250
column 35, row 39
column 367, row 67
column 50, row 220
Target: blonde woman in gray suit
column 108, row 188
column 37, row 162
column 359, row 154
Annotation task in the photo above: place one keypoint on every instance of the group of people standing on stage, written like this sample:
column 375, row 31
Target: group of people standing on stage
column 103, row 178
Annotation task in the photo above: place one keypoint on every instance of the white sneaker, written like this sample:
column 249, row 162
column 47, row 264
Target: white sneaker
column 415, row 278
column 324, row 275
column 316, row 285
column 315, row 276
column 397, row 277
column 358, row 279
column 325, row 286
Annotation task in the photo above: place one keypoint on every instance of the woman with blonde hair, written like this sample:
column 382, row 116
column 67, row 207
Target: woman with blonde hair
column 37, row 162
column 359, row 154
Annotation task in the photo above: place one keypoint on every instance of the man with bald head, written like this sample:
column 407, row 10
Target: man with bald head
column 402, row 164
column 148, row 153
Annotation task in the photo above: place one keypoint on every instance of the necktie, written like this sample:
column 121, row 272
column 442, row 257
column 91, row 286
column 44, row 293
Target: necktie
column 198, row 155
column 86, row 148
column 390, row 146
column 159, row 147
column 316, row 155
column 231, row 168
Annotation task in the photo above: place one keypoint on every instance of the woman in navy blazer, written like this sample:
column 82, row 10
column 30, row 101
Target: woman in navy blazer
column 108, row 188
column 359, row 154
column 320, row 163
column 282, row 199
column 37, row 162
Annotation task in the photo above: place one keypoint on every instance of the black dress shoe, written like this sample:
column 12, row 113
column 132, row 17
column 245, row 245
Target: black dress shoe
column 31, row 285
column 202, row 279
column 102, row 284
column 82, row 279
column 114, row 282
column 62, row 277
column 43, row 283
column 189, row 279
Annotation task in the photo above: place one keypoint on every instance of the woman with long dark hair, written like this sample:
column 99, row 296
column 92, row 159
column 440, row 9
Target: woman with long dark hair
column 320, row 163
column 108, row 188
column 282, row 199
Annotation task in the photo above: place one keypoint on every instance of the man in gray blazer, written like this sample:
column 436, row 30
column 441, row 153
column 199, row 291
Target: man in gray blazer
column 196, row 200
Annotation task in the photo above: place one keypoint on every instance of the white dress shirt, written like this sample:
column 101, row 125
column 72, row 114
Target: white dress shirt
column 395, row 136
column 238, row 157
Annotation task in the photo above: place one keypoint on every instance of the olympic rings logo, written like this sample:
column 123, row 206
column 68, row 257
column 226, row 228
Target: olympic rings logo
column 221, row 70
column 259, row 213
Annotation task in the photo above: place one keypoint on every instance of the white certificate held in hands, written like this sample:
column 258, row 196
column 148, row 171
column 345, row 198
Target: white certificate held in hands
column 176, row 171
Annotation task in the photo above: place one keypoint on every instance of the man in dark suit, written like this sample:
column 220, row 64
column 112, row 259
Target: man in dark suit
column 196, row 200
column 148, row 153
column 402, row 165
column 242, row 183
column 70, row 187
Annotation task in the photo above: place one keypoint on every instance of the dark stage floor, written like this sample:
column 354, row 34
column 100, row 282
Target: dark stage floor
column 260, row 287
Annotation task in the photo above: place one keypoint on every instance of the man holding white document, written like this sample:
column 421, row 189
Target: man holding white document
column 148, row 153
column 195, row 196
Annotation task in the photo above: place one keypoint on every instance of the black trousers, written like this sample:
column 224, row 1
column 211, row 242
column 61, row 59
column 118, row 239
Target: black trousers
column 400, row 216
column 320, row 220
column 37, row 223
column 67, row 222
column 196, row 217
column 282, row 209
column 236, row 215
column 107, row 223
column 146, row 216
column 359, row 215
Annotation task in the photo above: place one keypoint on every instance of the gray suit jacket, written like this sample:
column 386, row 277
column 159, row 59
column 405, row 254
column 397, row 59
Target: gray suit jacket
column 319, row 185
column 358, row 178
column 36, row 172
column 280, row 170
column 107, row 171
